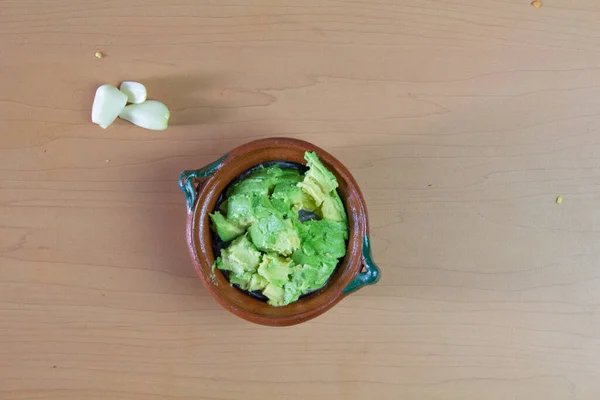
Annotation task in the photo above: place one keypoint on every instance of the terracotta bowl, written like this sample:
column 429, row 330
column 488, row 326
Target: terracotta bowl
column 202, row 189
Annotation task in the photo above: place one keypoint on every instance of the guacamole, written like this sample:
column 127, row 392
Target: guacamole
column 268, row 246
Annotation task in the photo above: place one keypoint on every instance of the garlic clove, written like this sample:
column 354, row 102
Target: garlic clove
column 150, row 114
column 135, row 91
column 108, row 104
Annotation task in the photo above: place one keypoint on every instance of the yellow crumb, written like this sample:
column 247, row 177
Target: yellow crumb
column 559, row 200
column 99, row 54
column 536, row 3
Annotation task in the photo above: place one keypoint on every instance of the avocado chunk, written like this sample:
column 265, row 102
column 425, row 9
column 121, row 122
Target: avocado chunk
column 275, row 175
column 318, row 181
column 303, row 277
column 317, row 272
column 292, row 198
column 323, row 244
column 287, row 177
column 248, row 281
column 240, row 257
column 226, row 230
column 262, row 181
column 332, row 208
column 274, row 234
column 323, row 273
column 240, row 209
column 325, row 238
column 292, row 292
column 243, row 281
column 251, row 185
column 275, row 269
column 275, row 294
column 257, row 282
column 303, row 257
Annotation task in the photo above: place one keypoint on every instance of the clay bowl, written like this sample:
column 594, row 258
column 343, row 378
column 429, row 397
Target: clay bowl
column 202, row 189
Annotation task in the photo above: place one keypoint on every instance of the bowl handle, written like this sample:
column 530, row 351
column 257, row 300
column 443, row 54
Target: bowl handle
column 372, row 271
column 188, row 177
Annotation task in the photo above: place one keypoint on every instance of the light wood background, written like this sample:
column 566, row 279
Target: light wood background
column 462, row 121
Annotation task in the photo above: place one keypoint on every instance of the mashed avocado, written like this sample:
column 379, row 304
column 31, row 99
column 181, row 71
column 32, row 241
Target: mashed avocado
column 270, row 249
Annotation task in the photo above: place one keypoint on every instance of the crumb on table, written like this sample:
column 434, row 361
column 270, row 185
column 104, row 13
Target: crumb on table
column 559, row 200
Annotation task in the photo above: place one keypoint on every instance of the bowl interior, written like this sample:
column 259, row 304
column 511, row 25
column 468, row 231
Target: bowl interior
column 218, row 244
column 200, row 237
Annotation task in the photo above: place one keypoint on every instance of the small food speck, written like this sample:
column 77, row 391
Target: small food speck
column 213, row 278
column 559, row 200
column 53, row 366
column 536, row 3
column 99, row 54
column 107, row 160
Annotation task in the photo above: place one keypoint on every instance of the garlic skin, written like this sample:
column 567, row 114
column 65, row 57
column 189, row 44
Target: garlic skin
column 150, row 114
column 135, row 91
column 109, row 102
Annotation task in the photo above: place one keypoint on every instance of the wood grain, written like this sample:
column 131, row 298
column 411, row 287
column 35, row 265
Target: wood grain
column 462, row 121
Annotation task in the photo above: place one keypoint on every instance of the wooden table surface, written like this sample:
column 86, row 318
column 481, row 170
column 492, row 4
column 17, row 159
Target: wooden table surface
column 462, row 121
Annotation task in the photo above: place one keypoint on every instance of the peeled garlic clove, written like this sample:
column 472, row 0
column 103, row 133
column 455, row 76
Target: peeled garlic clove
column 135, row 91
column 149, row 114
column 108, row 103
